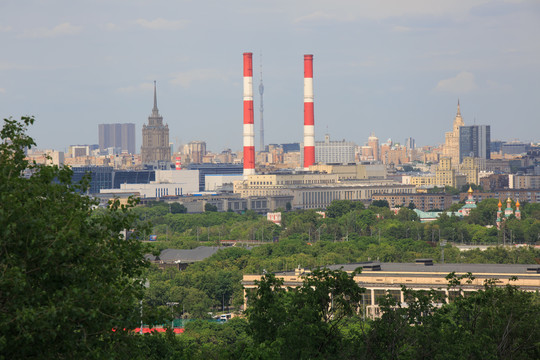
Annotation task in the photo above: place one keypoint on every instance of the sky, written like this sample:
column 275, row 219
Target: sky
column 390, row 67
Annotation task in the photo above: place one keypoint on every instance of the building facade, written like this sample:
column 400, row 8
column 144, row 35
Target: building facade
column 196, row 150
column 334, row 152
column 373, row 143
column 119, row 136
column 167, row 183
column 523, row 195
column 314, row 191
column 155, row 135
column 424, row 202
column 475, row 141
column 523, row 181
column 451, row 144
column 381, row 279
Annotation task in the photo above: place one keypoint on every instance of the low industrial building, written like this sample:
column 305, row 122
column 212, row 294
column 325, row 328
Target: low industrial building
column 316, row 190
column 421, row 201
column 380, row 279
column 181, row 259
column 167, row 183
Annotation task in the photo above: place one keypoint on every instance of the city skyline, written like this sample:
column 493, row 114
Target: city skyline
column 395, row 69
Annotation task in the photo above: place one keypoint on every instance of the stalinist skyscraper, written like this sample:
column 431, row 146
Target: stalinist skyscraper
column 155, row 137
column 451, row 145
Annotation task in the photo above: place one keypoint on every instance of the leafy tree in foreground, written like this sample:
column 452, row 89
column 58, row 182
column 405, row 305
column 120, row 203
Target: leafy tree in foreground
column 305, row 322
column 492, row 323
column 68, row 274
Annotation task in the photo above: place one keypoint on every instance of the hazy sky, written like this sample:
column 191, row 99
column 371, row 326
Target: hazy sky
column 392, row 67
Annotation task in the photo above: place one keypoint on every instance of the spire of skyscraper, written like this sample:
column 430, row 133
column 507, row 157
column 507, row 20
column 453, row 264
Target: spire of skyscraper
column 155, row 111
column 458, row 110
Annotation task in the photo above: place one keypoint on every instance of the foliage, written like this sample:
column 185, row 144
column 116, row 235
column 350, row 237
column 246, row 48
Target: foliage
column 474, row 187
column 338, row 208
column 492, row 323
column 177, row 208
column 306, row 322
column 485, row 213
column 69, row 277
column 380, row 203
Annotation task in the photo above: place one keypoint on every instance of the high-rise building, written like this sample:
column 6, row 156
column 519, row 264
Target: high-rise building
column 474, row 141
column 451, row 145
column 410, row 144
column 155, row 136
column 334, row 152
column 373, row 142
column 120, row 136
column 196, row 151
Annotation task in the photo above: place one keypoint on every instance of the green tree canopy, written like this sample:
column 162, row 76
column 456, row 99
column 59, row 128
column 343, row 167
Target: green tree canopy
column 306, row 322
column 69, row 276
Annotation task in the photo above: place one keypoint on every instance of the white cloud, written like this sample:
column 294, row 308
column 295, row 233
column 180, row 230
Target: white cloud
column 345, row 10
column 462, row 83
column 185, row 79
column 58, row 30
column 162, row 24
column 2, row 91
column 143, row 87
column 5, row 28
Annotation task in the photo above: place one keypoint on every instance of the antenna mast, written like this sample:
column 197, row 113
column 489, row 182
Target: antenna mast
column 261, row 91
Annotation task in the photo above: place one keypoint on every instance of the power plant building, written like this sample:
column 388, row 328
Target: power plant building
column 315, row 190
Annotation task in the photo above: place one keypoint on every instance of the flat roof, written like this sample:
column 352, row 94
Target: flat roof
column 478, row 270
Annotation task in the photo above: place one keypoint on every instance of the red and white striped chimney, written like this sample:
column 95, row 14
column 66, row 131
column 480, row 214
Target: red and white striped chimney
column 249, row 132
column 309, row 121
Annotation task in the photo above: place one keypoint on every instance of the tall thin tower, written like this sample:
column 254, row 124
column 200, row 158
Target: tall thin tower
column 261, row 110
column 249, row 133
column 309, row 121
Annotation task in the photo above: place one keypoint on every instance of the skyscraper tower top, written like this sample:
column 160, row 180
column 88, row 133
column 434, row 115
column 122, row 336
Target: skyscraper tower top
column 458, row 121
column 155, row 119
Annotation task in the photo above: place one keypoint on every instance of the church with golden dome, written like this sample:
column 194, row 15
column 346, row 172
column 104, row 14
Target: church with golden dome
column 507, row 212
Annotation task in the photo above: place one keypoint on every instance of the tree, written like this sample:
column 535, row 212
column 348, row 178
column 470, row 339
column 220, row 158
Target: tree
column 69, row 276
column 306, row 322
column 177, row 208
column 380, row 203
column 338, row 208
column 210, row 207
column 492, row 323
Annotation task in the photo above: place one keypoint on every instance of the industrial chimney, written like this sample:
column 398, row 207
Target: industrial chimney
column 309, row 121
column 249, row 132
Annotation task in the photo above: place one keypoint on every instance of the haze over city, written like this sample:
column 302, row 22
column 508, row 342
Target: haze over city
column 394, row 68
